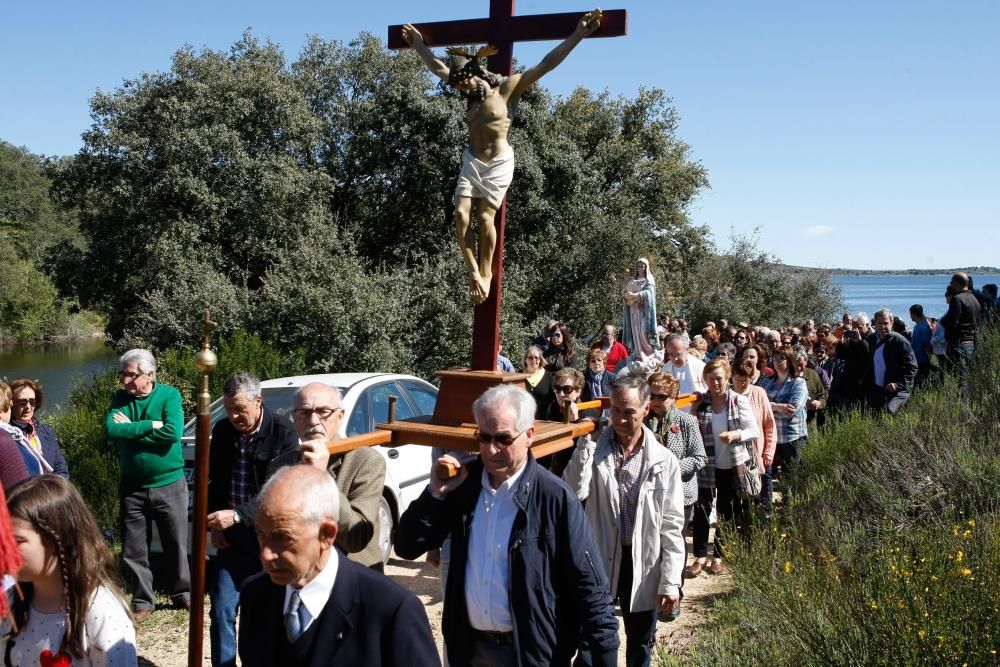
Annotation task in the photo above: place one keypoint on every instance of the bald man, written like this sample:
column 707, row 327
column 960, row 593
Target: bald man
column 312, row 606
column 360, row 474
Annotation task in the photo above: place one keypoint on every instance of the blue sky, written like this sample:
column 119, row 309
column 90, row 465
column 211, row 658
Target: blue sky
column 859, row 134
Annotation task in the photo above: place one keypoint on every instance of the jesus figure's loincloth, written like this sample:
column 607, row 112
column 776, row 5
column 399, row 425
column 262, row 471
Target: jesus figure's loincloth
column 486, row 180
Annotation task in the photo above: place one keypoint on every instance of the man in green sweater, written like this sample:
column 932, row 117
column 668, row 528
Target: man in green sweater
column 146, row 421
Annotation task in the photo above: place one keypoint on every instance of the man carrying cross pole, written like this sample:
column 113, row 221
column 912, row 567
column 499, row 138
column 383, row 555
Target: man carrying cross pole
column 488, row 162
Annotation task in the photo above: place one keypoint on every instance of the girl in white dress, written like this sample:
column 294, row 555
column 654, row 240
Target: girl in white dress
column 70, row 610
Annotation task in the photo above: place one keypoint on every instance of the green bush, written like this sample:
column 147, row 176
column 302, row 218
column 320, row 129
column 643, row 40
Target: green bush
column 887, row 550
column 239, row 351
column 92, row 460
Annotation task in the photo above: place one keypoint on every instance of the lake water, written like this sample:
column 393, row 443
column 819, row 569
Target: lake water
column 899, row 292
column 57, row 366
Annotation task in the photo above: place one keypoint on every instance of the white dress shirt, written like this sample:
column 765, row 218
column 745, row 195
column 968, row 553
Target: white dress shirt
column 878, row 360
column 487, row 570
column 315, row 594
column 690, row 376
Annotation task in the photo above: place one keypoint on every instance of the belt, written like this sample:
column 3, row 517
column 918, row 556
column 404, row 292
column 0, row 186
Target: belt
column 967, row 340
column 498, row 638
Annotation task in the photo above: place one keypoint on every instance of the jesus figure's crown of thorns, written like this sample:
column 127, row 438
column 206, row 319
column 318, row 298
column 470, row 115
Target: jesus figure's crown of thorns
column 483, row 52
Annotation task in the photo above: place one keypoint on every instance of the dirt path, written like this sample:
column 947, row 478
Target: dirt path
column 163, row 640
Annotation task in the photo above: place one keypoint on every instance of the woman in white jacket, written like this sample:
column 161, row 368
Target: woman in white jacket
column 635, row 504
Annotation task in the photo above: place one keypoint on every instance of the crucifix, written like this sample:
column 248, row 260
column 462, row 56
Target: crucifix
column 485, row 180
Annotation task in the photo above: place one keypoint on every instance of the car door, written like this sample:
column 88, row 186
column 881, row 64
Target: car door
column 409, row 465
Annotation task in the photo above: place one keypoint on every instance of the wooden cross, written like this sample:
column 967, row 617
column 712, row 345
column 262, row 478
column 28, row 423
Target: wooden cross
column 502, row 29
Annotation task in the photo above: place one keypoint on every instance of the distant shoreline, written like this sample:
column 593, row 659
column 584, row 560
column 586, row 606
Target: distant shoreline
column 974, row 270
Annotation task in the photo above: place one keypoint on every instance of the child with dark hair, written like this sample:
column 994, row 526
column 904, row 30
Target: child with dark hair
column 70, row 610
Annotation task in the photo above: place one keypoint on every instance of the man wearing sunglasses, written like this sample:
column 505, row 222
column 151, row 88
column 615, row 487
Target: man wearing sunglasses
column 525, row 584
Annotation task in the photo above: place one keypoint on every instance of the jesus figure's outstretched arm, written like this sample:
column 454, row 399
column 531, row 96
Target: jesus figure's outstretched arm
column 413, row 37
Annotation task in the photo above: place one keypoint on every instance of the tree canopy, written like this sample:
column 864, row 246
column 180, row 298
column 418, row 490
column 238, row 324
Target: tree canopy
column 311, row 202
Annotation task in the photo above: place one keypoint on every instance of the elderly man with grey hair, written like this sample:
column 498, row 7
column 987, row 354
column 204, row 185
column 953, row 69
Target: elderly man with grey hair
column 312, row 606
column 524, row 585
column 247, row 448
column 146, row 421
column 360, row 473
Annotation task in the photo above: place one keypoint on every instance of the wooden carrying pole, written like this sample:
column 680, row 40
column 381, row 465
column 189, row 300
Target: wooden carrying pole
column 206, row 361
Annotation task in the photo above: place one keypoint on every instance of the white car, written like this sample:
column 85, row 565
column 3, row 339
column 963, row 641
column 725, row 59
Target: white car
column 365, row 399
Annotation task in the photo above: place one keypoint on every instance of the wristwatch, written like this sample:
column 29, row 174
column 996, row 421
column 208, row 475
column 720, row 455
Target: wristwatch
column 236, row 517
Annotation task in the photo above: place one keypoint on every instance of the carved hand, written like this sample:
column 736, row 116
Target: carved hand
column 590, row 22
column 411, row 35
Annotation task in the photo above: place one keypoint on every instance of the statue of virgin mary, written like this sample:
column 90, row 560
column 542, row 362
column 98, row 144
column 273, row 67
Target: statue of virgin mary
column 639, row 326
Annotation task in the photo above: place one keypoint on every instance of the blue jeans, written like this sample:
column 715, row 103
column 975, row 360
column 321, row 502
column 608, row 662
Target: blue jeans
column 788, row 455
column 960, row 356
column 227, row 572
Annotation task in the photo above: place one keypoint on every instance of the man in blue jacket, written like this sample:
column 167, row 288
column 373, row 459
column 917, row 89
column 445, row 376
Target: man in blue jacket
column 525, row 582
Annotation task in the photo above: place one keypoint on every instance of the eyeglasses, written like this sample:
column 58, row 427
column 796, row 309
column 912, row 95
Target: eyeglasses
column 532, row 358
column 322, row 413
column 131, row 375
column 555, row 334
column 740, row 337
column 659, row 397
column 565, row 388
column 502, row 439
column 24, row 402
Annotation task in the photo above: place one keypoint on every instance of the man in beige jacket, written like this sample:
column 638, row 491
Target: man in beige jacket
column 635, row 505
column 360, row 473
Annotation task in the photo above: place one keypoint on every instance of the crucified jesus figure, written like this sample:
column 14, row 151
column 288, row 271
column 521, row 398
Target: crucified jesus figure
column 488, row 162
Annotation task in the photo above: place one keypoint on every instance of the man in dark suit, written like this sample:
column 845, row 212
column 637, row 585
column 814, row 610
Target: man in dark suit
column 247, row 447
column 314, row 606
column 893, row 369
column 524, row 586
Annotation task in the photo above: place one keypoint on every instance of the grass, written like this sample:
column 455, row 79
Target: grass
column 887, row 549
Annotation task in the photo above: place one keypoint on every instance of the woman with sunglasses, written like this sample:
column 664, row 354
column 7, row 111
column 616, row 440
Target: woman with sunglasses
column 28, row 401
column 559, row 353
column 567, row 386
column 677, row 431
column 540, row 380
column 15, row 451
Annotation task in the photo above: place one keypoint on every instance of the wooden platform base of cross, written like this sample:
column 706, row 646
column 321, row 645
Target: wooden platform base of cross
column 452, row 425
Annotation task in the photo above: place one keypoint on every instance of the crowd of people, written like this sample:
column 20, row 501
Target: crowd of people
column 534, row 554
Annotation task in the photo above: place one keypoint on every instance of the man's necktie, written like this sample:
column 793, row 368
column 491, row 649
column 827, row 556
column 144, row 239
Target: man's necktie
column 294, row 617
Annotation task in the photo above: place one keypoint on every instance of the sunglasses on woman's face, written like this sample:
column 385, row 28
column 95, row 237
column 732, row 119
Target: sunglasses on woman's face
column 659, row 397
column 565, row 389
